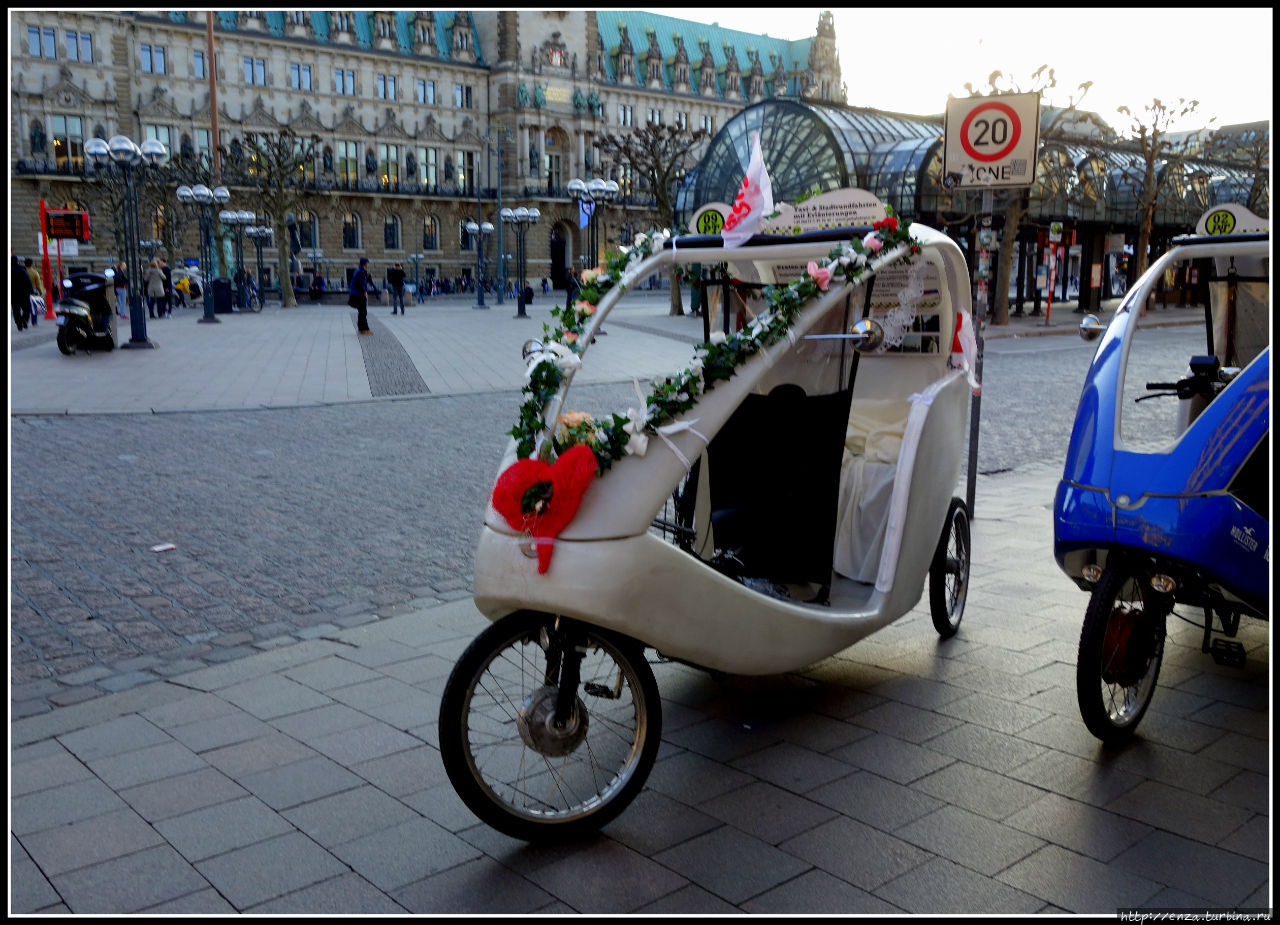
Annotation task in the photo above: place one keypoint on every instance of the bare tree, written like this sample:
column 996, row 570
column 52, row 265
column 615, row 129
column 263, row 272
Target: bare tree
column 659, row 155
column 1252, row 150
column 1015, row 204
column 273, row 165
column 1155, row 164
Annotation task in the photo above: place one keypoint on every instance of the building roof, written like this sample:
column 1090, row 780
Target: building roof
column 793, row 52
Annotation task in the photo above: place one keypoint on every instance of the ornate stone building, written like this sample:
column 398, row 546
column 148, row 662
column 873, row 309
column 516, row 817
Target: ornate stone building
column 420, row 120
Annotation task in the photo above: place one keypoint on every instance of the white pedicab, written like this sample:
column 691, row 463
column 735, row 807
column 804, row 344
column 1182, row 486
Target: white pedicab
column 783, row 497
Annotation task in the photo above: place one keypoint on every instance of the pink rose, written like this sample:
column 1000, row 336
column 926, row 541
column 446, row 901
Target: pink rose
column 583, row 307
column 872, row 243
column 820, row 275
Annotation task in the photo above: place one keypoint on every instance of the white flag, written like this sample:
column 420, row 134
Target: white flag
column 754, row 200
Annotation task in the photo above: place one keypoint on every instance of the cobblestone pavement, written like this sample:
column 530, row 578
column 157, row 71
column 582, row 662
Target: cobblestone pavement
column 284, row 523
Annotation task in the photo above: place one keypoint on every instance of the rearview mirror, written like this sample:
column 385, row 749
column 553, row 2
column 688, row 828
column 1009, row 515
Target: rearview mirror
column 1091, row 328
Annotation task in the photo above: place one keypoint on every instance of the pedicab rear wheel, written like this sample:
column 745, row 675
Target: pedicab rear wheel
column 949, row 571
column 530, row 762
column 1121, row 648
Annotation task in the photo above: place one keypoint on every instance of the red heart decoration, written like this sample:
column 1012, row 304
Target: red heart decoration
column 542, row 498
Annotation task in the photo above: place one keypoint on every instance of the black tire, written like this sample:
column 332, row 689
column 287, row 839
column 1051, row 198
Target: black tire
column 949, row 571
column 1121, row 648
column 511, row 766
column 64, row 342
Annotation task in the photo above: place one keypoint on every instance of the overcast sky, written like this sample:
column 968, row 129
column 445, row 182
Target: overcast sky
column 1221, row 57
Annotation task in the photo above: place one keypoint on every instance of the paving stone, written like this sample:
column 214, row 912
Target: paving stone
column 1188, row 814
column 174, row 796
column 870, row 798
column 905, row 722
column 273, row 696
column 298, row 782
column 350, row 814
column 892, row 757
column 129, row 769
column 732, row 864
column 222, row 827
column 792, row 767
column 692, row 778
column 404, row 853
column 346, row 894
column 654, row 822
column 1078, row 884
column 266, row 870
column 768, row 812
column 219, row 731
column 125, row 734
column 1082, row 828
column 29, row 890
column 856, row 853
column 816, row 892
column 328, row 673
column 1076, row 778
column 942, row 887
column 89, row 841
column 978, row 790
column 53, row 770
column 363, row 743
column 201, row 902
column 62, row 805
column 985, row 747
column 969, row 839
column 481, row 886
column 269, row 751
column 129, row 884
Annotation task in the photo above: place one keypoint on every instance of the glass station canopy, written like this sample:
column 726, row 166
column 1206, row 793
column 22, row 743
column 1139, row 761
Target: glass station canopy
column 810, row 148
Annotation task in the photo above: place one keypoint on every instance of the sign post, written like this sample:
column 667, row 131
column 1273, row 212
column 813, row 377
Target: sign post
column 989, row 142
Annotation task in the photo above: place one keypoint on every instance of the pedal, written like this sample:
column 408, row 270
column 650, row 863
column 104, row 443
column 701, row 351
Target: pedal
column 1229, row 653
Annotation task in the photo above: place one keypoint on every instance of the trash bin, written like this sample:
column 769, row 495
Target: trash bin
column 222, row 295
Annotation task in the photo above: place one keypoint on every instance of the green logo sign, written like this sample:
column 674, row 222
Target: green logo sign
column 1220, row 222
column 710, row 222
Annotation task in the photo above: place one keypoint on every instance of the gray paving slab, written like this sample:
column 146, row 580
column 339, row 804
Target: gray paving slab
column 250, row 744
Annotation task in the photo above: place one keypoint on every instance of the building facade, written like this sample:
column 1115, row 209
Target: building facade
column 419, row 121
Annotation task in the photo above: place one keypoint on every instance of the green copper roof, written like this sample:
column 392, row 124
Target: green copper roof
column 362, row 24
column 794, row 52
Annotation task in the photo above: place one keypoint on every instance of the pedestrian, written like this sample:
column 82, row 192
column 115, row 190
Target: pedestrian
column 19, row 292
column 37, row 291
column 166, row 303
column 358, row 295
column 153, row 279
column 570, row 287
column 395, row 279
column 121, row 283
column 250, row 289
column 545, row 289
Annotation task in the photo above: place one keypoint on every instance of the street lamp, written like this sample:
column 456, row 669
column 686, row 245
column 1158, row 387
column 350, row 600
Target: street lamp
column 203, row 199
column 590, row 195
column 520, row 219
column 261, row 235
column 127, row 156
column 237, row 221
column 479, row 234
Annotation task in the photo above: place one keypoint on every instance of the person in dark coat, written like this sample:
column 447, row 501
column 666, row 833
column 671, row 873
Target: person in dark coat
column 20, row 292
column 395, row 279
column 358, row 295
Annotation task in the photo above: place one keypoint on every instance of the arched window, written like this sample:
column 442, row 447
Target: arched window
column 391, row 233
column 308, row 230
column 430, row 233
column 351, row 231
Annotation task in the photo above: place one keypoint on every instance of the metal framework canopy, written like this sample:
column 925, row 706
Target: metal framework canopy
column 812, row 148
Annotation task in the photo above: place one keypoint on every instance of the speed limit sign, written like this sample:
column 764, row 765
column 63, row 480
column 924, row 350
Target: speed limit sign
column 991, row 141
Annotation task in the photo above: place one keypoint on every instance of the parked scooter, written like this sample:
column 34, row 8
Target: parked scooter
column 86, row 320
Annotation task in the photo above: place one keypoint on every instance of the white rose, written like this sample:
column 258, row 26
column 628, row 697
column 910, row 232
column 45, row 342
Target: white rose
column 717, row 337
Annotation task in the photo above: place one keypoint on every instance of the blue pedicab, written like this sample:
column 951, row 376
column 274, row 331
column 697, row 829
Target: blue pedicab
column 1170, row 515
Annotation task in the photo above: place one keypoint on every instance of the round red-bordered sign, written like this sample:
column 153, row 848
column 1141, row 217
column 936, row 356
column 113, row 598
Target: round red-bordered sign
column 1015, row 132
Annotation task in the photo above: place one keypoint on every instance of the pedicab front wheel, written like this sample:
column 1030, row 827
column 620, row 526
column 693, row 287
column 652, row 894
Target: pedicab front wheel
column 1121, row 648
column 549, row 727
column 949, row 571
